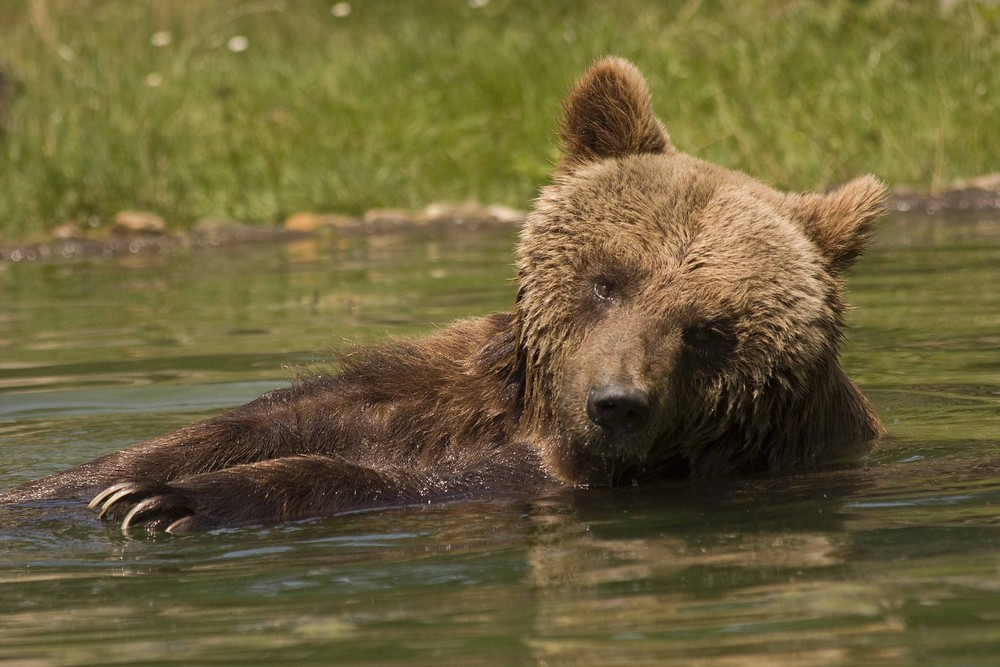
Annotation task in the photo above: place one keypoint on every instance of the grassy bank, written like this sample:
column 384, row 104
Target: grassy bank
column 255, row 109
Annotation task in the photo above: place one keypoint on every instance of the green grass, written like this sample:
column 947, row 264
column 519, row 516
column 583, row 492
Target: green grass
column 406, row 102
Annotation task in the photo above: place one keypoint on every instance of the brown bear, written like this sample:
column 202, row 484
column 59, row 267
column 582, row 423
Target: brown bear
column 674, row 319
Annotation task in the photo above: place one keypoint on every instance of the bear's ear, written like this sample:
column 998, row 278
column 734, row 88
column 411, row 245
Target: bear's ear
column 608, row 113
column 841, row 223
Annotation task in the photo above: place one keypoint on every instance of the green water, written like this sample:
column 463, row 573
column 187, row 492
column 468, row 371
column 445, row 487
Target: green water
column 895, row 563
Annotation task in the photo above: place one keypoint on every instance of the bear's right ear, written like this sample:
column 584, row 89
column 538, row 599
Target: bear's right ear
column 609, row 113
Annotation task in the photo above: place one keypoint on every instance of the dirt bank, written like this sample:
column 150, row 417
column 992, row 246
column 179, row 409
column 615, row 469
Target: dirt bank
column 137, row 232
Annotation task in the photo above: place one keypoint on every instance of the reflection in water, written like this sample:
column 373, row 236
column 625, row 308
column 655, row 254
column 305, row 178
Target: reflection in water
column 897, row 562
column 800, row 571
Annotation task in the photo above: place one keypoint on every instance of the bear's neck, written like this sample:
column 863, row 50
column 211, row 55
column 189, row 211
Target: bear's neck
column 793, row 428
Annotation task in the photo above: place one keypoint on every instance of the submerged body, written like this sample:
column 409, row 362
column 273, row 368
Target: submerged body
column 673, row 319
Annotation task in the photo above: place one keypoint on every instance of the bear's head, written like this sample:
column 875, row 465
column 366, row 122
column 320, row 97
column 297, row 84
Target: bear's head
column 672, row 311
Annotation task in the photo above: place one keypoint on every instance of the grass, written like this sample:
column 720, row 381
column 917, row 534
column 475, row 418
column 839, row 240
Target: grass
column 114, row 104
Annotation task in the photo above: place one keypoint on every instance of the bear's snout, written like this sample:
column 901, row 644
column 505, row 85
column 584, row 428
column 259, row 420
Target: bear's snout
column 618, row 408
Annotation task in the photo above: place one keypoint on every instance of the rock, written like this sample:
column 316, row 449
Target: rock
column 470, row 213
column 67, row 230
column 137, row 222
column 445, row 211
column 506, row 214
column 986, row 182
column 303, row 222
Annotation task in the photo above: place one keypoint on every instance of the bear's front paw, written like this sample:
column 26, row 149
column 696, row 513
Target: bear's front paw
column 153, row 506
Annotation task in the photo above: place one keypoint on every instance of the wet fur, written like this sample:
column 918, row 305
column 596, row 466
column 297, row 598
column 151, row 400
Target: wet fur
column 719, row 297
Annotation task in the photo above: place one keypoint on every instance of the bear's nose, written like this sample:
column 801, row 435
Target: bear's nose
column 618, row 408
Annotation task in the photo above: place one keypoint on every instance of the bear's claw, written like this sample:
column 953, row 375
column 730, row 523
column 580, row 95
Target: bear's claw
column 153, row 506
column 155, row 511
column 104, row 495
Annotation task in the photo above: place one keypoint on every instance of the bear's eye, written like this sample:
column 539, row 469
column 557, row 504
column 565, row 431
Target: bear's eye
column 710, row 340
column 605, row 290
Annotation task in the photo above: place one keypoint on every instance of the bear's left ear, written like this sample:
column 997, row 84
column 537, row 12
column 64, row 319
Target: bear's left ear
column 609, row 113
column 841, row 223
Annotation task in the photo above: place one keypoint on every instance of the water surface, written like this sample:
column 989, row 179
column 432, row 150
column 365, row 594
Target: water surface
column 893, row 563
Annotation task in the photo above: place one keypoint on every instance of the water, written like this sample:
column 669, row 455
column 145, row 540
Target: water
column 894, row 563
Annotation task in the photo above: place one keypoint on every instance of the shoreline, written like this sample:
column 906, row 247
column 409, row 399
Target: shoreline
column 133, row 232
